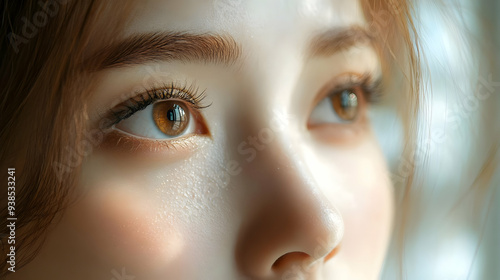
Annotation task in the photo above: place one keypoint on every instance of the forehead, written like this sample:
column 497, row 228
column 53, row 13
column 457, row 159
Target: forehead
column 244, row 19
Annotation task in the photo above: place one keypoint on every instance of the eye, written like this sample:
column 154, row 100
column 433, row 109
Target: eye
column 343, row 106
column 161, row 120
column 168, row 112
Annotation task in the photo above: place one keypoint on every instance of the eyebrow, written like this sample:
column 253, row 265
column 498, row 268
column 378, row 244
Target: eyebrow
column 169, row 46
column 153, row 47
column 339, row 39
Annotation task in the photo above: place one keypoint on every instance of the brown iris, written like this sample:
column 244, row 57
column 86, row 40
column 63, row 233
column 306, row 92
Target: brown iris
column 345, row 104
column 171, row 117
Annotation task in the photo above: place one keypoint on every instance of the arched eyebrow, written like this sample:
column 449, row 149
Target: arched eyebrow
column 339, row 39
column 154, row 47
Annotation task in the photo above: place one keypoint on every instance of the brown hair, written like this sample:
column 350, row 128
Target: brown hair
column 399, row 49
column 43, row 119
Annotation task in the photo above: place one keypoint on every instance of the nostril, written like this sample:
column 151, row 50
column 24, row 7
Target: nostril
column 288, row 259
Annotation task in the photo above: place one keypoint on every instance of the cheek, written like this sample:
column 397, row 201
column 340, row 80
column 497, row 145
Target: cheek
column 117, row 224
column 368, row 219
column 356, row 181
column 149, row 219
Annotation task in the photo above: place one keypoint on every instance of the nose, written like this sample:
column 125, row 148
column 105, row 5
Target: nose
column 292, row 228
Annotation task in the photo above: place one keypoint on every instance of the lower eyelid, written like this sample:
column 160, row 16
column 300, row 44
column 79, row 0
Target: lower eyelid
column 341, row 134
column 118, row 142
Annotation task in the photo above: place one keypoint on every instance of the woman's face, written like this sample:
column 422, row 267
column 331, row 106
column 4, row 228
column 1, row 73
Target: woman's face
column 279, row 176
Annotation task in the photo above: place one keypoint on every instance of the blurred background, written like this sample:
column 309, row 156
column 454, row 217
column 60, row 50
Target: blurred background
column 455, row 217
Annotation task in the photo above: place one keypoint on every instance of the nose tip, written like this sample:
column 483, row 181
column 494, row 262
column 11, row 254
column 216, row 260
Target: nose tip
column 294, row 230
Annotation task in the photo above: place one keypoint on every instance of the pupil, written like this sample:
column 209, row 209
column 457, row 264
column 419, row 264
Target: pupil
column 345, row 105
column 348, row 100
column 173, row 113
column 176, row 116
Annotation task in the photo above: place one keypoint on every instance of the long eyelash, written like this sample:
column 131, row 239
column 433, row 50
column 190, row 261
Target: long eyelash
column 189, row 94
column 372, row 88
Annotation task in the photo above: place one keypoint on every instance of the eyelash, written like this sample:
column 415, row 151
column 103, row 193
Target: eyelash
column 190, row 94
column 372, row 89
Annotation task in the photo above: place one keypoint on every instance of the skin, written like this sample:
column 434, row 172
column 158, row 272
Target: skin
column 262, row 184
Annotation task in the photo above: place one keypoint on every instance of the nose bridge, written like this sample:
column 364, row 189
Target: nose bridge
column 287, row 190
column 289, row 213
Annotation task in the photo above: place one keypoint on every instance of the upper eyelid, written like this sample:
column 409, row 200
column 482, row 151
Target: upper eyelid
column 371, row 85
column 194, row 97
column 147, row 97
